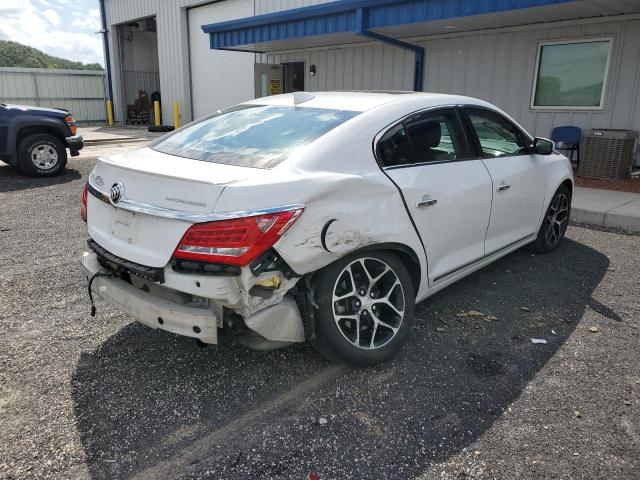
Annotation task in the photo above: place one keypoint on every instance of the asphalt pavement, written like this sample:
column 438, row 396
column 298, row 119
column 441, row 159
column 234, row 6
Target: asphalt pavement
column 468, row 397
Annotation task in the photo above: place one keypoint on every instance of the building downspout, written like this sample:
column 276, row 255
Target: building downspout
column 418, row 73
column 105, row 44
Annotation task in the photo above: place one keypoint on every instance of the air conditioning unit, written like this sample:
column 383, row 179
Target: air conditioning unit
column 607, row 154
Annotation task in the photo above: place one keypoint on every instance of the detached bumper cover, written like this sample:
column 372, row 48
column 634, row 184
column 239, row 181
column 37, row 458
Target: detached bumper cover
column 151, row 310
column 75, row 144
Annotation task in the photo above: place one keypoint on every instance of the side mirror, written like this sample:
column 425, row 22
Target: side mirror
column 542, row 146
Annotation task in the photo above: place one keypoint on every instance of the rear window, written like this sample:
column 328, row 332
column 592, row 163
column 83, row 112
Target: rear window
column 252, row 136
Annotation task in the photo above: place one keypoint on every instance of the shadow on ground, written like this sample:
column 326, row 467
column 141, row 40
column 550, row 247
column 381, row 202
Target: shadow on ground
column 12, row 179
column 149, row 400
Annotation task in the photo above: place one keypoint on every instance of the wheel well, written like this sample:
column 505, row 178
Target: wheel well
column 25, row 132
column 406, row 255
column 413, row 266
column 304, row 289
column 569, row 184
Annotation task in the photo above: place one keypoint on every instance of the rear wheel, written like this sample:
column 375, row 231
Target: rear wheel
column 41, row 155
column 366, row 306
column 555, row 222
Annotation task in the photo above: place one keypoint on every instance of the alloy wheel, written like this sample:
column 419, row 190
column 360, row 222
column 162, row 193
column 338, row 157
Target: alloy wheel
column 557, row 219
column 368, row 303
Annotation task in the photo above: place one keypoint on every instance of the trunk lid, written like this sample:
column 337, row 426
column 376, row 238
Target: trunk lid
column 160, row 180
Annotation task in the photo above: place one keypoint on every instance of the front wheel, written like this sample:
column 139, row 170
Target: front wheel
column 41, row 155
column 366, row 307
column 555, row 222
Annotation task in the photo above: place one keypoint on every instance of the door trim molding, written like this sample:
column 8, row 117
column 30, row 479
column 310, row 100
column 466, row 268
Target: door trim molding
column 484, row 257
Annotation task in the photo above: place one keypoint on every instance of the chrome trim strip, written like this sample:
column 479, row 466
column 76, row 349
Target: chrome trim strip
column 139, row 207
column 97, row 193
column 484, row 257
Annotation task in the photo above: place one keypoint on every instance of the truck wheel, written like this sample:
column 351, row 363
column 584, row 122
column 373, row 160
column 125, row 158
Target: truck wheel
column 41, row 155
column 555, row 222
column 366, row 306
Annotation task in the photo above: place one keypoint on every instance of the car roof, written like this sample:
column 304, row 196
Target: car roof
column 359, row 101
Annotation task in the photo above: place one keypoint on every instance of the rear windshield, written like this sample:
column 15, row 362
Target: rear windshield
column 252, row 136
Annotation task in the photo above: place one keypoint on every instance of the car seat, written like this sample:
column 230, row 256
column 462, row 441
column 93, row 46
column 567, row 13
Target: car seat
column 425, row 136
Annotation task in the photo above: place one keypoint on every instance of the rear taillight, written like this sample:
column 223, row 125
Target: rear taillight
column 237, row 241
column 83, row 208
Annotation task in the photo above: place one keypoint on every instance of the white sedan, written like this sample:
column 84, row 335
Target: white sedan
column 318, row 217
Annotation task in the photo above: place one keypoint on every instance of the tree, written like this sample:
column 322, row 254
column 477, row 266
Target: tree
column 14, row 54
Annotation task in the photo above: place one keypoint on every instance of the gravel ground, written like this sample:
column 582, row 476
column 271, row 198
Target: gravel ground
column 105, row 398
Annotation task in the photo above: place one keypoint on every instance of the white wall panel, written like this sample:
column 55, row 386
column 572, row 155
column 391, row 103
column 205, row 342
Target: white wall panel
column 219, row 79
column 268, row 6
column 173, row 41
column 368, row 66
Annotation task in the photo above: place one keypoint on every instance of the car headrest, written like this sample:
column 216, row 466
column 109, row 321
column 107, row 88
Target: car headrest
column 426, row 134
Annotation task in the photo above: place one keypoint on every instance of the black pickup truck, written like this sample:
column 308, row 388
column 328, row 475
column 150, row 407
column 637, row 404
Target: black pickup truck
column 36, row 139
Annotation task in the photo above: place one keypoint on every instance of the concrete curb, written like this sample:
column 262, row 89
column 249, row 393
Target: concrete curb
column 606, row 208
column 587, row 216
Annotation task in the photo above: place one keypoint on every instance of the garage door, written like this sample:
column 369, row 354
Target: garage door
column 219, row 79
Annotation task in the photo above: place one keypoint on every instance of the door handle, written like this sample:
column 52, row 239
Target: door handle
column 503, row 187
column 426, row 202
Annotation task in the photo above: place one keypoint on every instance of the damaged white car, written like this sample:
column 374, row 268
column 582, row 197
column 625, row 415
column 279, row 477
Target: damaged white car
column 318, row 217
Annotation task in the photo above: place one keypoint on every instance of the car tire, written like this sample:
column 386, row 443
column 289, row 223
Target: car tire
column 555, row 222
column 367, row 322
column 41, row 155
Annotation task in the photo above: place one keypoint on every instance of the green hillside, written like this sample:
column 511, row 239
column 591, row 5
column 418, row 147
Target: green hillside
column 14, row 54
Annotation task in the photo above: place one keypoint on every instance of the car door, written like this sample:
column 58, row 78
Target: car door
column 518, row 177
column 447, row 193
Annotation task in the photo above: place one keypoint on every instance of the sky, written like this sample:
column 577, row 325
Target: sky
column 63, row 28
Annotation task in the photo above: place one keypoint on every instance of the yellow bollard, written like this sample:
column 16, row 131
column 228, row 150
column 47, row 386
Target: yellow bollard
column 109, row 113
column 176, row 114
column 156, row 113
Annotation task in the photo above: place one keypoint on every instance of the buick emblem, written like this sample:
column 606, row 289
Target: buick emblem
column 117, row 192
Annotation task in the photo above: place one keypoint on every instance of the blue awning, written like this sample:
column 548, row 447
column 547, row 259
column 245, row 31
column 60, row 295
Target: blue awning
column 337, row 22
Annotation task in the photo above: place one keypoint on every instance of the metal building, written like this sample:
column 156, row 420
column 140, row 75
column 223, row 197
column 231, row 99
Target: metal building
column 547, row 62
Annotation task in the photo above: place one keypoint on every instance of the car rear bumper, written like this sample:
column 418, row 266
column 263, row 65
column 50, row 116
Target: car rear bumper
column 152, row 310
column 194, row 304
column 75, row 144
